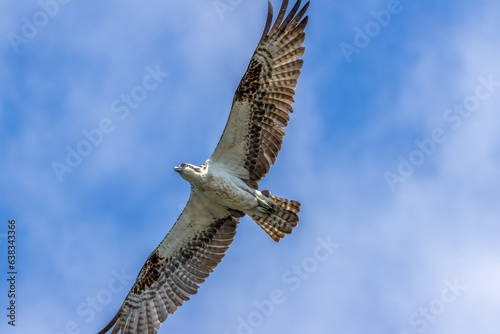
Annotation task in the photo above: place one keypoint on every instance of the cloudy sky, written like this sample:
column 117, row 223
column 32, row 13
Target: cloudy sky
column 393, row 151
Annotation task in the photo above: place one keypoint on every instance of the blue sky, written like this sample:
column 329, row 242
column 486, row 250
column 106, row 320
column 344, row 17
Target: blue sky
column 393, row 151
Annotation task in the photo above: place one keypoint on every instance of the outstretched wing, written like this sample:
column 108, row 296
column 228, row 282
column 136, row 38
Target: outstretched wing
column 192, row 249
column 263, row 100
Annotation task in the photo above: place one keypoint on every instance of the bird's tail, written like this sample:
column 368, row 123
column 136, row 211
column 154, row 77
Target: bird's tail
column 277, row 216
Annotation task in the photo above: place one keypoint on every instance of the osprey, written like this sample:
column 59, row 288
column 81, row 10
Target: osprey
column 225, row 187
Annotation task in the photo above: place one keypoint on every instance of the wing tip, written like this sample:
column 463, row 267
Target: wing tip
column 269, row 20
column 287, row 24
column 279, row 18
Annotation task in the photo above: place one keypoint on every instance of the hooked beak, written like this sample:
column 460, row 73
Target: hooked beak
column 178, row 169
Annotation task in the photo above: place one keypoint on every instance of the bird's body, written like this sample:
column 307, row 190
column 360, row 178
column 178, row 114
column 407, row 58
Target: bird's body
column 214, row 182
column 221, row 189
column 225, row 188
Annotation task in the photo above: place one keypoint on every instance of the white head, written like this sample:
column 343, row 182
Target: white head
column 188, row 172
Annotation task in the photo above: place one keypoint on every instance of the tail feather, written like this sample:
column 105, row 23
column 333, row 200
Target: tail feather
column 288, row 205
column 280, row 219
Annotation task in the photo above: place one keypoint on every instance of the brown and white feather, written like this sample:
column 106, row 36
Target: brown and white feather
column 192, row 249
column 263, row 100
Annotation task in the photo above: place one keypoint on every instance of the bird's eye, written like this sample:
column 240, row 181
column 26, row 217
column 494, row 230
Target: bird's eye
column 184, row 165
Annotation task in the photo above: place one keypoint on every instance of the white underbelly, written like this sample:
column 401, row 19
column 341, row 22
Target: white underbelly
column 229, row 191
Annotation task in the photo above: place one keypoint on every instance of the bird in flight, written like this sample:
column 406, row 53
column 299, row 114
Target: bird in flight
column 225, row 187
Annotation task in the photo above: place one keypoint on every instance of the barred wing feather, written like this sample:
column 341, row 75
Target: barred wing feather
column 192, row 249
column 263, row 100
